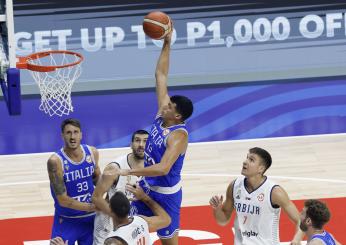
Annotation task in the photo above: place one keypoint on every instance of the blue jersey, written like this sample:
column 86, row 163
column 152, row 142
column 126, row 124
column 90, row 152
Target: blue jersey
column 154, row 150
column 325, row 237
column 78, row 179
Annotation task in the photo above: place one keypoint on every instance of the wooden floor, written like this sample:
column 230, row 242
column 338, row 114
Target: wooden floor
column 307, row 167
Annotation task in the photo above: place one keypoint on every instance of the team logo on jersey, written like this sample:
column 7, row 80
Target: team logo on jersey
column 238, row 194
column 260, row 197
column 66, row 167
column 165, row 132
column 88, row 159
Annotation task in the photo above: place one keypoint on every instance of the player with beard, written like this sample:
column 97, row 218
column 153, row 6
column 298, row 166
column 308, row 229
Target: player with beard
column 110, row 183
column 73, row 171
column 313, row 217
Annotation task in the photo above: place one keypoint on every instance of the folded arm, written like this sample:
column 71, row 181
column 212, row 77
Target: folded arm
column 103, row 185
column 56, row 179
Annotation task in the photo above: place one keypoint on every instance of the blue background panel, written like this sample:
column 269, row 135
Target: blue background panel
column 223, row 112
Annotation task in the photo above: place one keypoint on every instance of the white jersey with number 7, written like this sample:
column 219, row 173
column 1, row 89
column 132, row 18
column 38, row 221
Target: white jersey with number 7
column 257, row 221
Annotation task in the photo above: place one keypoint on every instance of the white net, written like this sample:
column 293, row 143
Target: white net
column 55, row 86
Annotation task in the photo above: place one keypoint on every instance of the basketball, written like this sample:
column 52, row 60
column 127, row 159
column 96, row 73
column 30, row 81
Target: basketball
column 156, row 25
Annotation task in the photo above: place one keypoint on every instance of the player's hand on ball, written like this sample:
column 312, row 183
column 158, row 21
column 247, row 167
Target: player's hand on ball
column 216, row 202
column 168, row 37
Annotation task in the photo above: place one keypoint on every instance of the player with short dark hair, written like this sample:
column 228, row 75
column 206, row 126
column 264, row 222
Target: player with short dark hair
column 134, row 229
column 165, row 151
column 313, row 217
column 110, row 182
column 257, row 202
column 73, row 171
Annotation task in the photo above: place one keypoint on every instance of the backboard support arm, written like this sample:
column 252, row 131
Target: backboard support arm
column 10, row 77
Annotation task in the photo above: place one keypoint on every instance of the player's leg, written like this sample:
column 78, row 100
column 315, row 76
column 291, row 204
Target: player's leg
column 63, row 228
column 86, row 229
column 172, row 204
column 170, row 241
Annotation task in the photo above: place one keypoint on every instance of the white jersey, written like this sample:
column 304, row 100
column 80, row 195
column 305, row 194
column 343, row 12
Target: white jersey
column 256, row 222
column 134, row 233
column 103, row 223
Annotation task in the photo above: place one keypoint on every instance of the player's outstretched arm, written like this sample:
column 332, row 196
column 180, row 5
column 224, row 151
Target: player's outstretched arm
column 280, row 197
column 161, row 73
column 223, row 210
column 56, row 179
column 97, row 172
column 176, row 145
column 103, row 185
column 160, row 219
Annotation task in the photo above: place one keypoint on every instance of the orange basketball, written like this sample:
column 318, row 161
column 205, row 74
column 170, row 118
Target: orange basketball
column 156, row 25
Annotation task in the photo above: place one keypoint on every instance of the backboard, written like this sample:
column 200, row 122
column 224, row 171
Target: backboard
column 9, row 74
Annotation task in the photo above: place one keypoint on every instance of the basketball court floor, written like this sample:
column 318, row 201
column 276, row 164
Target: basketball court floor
column 306, row 166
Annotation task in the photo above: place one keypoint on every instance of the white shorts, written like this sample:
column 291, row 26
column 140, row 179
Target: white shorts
column 102, row 227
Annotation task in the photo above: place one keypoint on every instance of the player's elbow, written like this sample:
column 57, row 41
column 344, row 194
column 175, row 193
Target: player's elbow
column 163, row 171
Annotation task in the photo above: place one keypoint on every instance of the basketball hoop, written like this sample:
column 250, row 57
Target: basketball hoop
column 54, row 72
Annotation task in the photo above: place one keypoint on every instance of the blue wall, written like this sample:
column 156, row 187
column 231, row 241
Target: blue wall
column 224, row 112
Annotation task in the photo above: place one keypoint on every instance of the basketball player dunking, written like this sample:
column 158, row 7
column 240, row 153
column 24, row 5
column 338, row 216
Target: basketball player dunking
column 165, row 151
column 257, row 202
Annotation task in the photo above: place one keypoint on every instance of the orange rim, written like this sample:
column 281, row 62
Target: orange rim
column 23, row 61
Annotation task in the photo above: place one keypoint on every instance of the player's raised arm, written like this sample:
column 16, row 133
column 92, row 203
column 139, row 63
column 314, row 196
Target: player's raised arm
column 161, row 73
column 223, row 210
column 56, row 179
column 103, row 185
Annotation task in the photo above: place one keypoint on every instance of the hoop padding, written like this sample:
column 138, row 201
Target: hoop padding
column 55, row 84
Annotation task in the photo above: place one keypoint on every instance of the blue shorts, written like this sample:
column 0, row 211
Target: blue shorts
column 171, row 203
column 74, row 229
